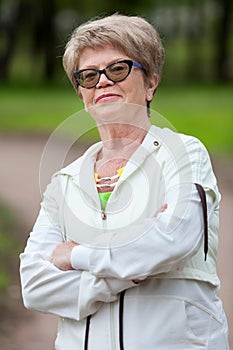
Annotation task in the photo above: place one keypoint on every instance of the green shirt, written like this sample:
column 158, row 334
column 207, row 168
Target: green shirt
column 104, row 197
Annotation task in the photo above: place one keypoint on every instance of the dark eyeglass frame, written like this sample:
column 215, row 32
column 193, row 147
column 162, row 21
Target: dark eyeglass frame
column 130, row 64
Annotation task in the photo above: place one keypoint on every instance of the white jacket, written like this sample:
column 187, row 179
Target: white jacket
column 175, row 305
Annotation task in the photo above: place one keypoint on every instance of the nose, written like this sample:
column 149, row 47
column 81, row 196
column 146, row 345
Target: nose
column 104, row 81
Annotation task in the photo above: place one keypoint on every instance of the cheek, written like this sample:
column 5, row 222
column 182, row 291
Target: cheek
column 137, row 90
column 86, row 97
column 138, row 94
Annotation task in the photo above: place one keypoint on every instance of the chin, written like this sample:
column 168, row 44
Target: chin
column 116, row 112
column 107, row 112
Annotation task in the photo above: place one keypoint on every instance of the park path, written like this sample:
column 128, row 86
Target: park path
column 20, row 158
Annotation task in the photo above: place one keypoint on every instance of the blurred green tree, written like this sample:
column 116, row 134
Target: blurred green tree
column 223, row 38
column 43, row 34
column 10, row 21
column 200, row 31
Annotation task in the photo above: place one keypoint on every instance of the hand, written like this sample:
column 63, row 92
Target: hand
column 61, row 256
column 160, row 210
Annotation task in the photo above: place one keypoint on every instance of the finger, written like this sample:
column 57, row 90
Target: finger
column 161, row 209
column 164, row 207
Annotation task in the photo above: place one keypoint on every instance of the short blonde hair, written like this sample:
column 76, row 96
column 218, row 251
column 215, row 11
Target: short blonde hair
column 132, row 35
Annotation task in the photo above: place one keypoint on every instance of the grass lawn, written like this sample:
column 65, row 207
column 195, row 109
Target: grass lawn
column 203, row 111
column 8, row 247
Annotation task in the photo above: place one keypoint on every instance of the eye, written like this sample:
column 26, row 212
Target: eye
column 118, row 69
column 88, row 75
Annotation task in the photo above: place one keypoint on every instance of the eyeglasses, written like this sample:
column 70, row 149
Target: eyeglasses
column 116, row 72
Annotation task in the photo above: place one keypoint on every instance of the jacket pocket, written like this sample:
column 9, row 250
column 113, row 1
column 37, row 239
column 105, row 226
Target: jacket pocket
column 204, row 325
column 200, row 321
column 164, row 323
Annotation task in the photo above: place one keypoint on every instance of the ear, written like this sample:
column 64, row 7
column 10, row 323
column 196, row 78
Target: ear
column 151, row 87
column 79, row 94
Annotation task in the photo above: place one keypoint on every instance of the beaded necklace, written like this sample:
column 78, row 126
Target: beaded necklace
column 101, row 184
column 101, row 181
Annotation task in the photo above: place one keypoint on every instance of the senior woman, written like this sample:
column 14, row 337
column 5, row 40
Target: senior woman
column 124, row 247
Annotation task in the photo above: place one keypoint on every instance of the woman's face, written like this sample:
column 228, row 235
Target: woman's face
column 132, row 90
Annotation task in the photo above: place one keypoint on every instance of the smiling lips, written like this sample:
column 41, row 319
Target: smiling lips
column 106, row 97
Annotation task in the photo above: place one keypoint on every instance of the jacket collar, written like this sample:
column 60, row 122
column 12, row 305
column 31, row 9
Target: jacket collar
column 81, row 170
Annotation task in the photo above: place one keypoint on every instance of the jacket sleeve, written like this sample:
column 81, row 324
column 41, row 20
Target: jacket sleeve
column 73, row 294
column 156, row 246
column 162, row 244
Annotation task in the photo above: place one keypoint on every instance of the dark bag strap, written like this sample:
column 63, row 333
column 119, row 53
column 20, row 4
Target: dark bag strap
column 202, row 195
column 88, row 320
column 121, row 315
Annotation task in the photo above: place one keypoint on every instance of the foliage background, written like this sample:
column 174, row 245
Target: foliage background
column 195, row 94
column 196, row 89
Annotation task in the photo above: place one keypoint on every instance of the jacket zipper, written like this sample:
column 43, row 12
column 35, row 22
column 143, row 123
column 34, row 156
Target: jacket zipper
column 111, row 305
column 103, row 215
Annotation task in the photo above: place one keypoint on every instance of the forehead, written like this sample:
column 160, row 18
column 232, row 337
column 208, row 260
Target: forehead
column 100, row 56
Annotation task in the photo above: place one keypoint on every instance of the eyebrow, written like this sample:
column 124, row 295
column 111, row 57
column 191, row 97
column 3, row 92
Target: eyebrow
column 106, row 65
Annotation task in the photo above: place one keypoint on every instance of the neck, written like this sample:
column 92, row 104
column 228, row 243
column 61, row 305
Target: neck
column 122, row 128
column 121, row 140
column 121, row 121
column 120, row 135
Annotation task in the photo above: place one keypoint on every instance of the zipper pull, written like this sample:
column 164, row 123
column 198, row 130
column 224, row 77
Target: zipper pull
column 103, row 215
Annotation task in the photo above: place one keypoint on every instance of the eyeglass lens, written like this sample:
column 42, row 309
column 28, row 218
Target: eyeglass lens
column 115, row 72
